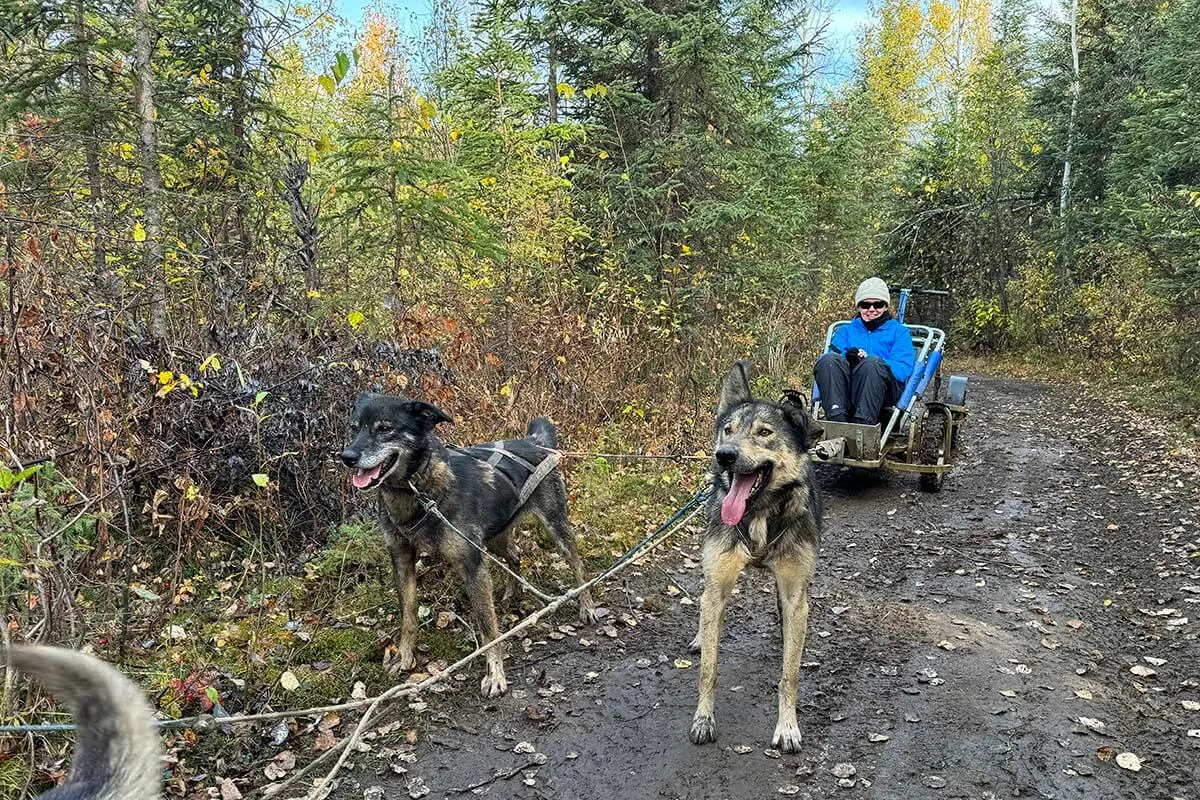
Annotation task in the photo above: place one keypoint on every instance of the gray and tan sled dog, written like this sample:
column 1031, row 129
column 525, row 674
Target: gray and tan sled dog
column 765, row 511
column 118, row 756
column 483, row 490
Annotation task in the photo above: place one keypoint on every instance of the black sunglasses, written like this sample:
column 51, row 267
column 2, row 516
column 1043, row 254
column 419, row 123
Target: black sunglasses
column 873, row 304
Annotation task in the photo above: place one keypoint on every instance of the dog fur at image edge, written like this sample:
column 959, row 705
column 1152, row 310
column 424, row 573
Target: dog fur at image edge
column 765, row 511
column 118, row 755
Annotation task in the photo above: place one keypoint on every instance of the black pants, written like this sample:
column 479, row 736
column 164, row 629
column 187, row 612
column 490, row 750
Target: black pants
column 855, row 394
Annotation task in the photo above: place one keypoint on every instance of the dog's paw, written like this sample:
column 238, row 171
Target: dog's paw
column 512, row 601
column 493, row 685
column 694, row 645
column 403, row 661
column 587, row 614
column 786, row 738
column 704, row 730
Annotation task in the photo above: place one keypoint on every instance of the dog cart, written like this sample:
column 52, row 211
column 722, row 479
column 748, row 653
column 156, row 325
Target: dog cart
column 920, row 434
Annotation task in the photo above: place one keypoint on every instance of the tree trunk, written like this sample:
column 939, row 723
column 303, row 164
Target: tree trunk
column 399, row 309
column 653, row 85
column 1064, row 198
column 143, row 92
column 105, row 279
column 552, row 85
column 241, row 148
column 304, row 220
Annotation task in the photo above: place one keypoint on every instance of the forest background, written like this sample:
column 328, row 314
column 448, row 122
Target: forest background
column 221, row 219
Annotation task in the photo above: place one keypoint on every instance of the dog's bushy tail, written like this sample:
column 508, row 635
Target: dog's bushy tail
column 118, row 755
column 543, row 432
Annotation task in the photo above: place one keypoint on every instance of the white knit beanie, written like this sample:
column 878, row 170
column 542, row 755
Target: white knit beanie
column 872, row 289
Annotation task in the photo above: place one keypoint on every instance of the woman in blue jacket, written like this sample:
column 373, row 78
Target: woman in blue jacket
column 869, row 360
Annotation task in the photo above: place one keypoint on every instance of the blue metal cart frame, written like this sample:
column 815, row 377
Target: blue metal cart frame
column 921, row 432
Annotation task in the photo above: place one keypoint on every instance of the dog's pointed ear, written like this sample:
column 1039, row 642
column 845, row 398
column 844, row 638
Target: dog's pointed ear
column 795, row 408
column 735, row 389
column 428, row 414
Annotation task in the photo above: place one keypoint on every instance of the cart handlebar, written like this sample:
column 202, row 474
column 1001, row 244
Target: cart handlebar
column 920, row 290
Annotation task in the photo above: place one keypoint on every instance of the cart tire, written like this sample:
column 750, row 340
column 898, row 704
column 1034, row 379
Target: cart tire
column 932, row 481
column 956, row 392
column 933, row 432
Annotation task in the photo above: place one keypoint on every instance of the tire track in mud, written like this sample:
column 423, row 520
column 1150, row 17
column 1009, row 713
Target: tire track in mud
column 954, row 642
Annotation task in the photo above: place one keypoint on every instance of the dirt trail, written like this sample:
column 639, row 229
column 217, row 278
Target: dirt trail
column 972, row 629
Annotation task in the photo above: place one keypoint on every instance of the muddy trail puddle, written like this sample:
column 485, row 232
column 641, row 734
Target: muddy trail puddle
column 1008, row 637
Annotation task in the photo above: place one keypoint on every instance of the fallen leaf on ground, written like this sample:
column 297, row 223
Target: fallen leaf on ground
column 1129, row 761
column 280, row 765
column 325, row 740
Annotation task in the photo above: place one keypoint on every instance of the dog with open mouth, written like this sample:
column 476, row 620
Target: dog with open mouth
column 484, row 491
column 765, row 511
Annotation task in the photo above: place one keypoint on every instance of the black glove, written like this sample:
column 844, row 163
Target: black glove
column 852, row 356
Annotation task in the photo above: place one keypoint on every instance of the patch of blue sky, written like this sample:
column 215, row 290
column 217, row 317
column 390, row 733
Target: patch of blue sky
column 844, row 21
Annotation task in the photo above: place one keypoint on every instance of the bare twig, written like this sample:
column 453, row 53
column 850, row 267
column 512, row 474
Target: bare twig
column 624, row 456
column 499, row 776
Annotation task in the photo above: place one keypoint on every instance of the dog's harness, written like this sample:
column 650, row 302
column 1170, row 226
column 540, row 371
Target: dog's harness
column 742, row 531
column 498, row 452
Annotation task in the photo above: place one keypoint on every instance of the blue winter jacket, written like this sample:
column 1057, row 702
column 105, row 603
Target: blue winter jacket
column 891, row 341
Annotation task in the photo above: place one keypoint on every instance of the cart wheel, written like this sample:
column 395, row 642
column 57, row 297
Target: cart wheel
column 933, row 432
column 956, row 393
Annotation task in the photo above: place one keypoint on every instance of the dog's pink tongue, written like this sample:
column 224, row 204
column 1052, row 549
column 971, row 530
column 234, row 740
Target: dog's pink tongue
column 362, row 478
column 733, row 507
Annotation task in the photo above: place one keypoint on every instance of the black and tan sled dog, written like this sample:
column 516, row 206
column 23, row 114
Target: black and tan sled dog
column 483, row 490
column 765, row 511
column 118, row 756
